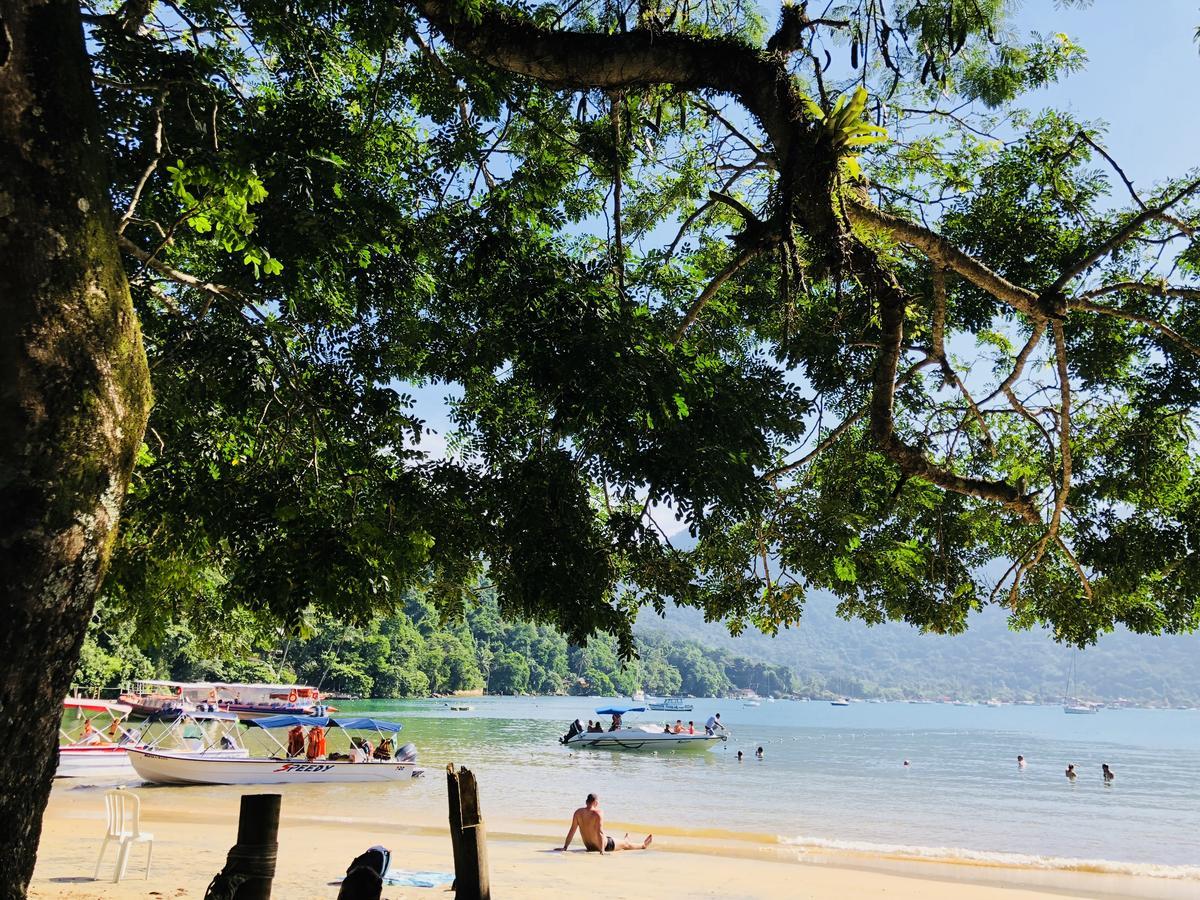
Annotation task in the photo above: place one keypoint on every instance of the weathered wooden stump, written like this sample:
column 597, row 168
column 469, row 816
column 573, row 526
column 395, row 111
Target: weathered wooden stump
column 468, row 836
column 250, row 865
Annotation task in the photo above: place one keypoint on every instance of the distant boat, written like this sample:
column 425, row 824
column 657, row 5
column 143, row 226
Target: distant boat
column 672, row 704
column 751, row 703
column 1073, row 706
column 841, row 702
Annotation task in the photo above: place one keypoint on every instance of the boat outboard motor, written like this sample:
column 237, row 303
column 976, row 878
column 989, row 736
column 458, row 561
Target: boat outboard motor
column 407, row 754
column 364, row 877
column 576, row 728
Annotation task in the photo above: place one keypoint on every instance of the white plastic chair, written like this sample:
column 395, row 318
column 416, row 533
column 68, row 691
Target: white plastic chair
column 124, row 813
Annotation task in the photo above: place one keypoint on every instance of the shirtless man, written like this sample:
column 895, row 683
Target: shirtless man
column 589, row 822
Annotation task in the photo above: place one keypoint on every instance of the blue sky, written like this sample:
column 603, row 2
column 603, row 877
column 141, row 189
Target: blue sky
column 1142, row 78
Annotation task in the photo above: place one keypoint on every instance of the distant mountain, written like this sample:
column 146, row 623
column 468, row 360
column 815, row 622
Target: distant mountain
column 832, row 656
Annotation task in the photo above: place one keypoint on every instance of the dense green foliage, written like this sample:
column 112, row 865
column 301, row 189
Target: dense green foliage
column 919, row 361
column 414, row 653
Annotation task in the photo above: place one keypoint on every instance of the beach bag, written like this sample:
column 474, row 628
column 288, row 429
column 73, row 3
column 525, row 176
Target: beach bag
column 364, row 877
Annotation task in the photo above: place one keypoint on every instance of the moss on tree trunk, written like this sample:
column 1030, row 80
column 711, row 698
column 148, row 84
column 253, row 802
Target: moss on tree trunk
column 74, row 396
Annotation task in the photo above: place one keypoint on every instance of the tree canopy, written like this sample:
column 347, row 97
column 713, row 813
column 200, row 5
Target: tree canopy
column 825, row 292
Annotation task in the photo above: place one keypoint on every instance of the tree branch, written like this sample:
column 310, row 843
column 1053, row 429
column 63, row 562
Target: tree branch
column 1135, row 317
column 942, row 252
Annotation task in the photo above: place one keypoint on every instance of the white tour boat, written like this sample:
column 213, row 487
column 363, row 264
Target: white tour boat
column 636, row 736
column 206, row 767
column 93, row 748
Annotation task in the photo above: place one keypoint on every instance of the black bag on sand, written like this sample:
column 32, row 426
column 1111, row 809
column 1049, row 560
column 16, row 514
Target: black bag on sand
column 364, row 877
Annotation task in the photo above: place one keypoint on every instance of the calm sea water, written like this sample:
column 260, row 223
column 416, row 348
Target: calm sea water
column 834, row 776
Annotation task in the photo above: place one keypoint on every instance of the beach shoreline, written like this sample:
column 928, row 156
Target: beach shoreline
column 193, row 832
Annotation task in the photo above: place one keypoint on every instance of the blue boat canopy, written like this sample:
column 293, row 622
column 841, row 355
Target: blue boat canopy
column 288, row 721
column 368, row 725
column 619, row 710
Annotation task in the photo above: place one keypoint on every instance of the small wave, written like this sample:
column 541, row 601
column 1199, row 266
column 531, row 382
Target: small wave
column 996, row 858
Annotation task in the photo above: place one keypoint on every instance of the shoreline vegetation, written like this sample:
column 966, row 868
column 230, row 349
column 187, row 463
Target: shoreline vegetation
column 414, row 652
column 315, row 849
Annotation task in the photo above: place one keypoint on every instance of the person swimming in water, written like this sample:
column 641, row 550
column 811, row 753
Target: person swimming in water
column 1108, row 773
column 1071, row 775
column 739, row 756
column 759, row 753
column 1020, row 761
column 589, row 822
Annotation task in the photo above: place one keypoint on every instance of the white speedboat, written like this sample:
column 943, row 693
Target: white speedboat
column 637, row 736
column 213, row 766
column 93, row 748
column 841, row 702
column 671, row 704
column 642, row 737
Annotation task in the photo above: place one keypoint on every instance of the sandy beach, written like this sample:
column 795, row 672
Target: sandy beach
column 193, row 832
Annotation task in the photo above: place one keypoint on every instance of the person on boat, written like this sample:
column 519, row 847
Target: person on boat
column 1109, row 776
column 1071, row 775
column 666, row 728
column 596, row 728
column 358, row 751
column 691, row 727
column 759, row 753
column 114, row 730
column 316, row 743
column 589, row 822
column 616, row 722
column 713, row 723
column 90, row 734
column 295, row 741
column 678, row 729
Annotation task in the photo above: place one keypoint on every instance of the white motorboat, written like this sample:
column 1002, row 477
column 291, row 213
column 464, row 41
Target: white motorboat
column 841, row 702
column 189, row 768
column 93, row 750
column 671, row 704
column 212, row 766
column 642, row 737
column 636, row 736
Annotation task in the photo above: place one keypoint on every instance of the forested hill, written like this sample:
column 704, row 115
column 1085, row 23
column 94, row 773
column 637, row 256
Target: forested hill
column 414, row 653
column 893, row 660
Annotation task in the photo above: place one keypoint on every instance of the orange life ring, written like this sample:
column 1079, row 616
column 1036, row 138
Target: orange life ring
column 292, row 697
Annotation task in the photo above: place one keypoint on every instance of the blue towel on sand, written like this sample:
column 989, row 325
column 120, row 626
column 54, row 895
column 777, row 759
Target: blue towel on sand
column 402, row 878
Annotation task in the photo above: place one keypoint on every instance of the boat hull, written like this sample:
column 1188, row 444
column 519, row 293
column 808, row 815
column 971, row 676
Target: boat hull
column 644, row 740
column 182, row 768
column 93, row 762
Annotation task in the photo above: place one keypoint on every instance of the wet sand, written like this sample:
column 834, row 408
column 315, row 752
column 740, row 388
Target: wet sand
column 193, row 833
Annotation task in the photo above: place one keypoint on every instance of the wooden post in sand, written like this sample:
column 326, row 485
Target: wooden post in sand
column 467, row 836
column 250, row 865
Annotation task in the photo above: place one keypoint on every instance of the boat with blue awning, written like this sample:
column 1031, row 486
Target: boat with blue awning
column 305, row 758
column 636, row 736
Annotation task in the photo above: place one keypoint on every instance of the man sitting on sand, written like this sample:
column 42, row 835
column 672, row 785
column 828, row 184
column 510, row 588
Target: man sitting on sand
column 589, row 821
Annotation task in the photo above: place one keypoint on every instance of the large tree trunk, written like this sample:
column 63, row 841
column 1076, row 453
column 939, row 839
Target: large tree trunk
column 74, row 396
